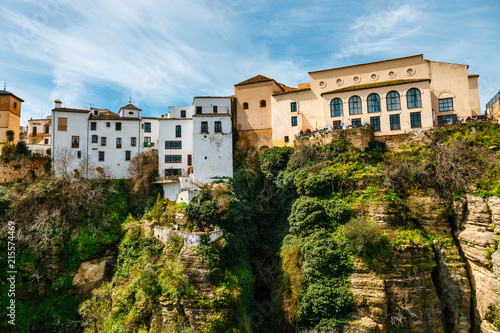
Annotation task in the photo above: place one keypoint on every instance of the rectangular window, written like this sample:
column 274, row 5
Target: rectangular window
column 198, row 109
column 286, row 139
column 33, row 142
column 446, row 104
column 218, row 127
column 118, row 142
column 215, row 108
column 447, row 120
column 118, row 126
column 128, row 155
column 147, row 127
column 46, row 141
column 101, row 156
column 173, row 144
column 356, row 123
column 34, row 131
column 75, row 142
column 337, row 125
column 190, row 160
column 294, row 121
column 79, row 154
column 173, row 158
column 173, row 172
column 147, row 141
column 15, row 105
column 47, row 129
column 133, row 142
column 415, row 120
column 108, row 124
column 95, row 138
column 204, row 127
column 62, row 124
column 183, row 113
column 93, row 126
column 394, row 120
column 293, row 106
column 103, row 141
column 375, row 123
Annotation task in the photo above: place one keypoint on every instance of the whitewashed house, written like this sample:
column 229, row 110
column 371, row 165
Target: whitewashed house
column 193, row 143
column 195, row 146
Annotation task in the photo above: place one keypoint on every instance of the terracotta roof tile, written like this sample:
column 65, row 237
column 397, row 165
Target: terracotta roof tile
column 255, row 79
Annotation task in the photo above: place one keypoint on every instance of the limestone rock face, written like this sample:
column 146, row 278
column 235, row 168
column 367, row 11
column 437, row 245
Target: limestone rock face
column 92, row 273
column 477, row 238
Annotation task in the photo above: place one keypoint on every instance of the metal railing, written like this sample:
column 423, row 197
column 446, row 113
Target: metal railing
column 493, row 100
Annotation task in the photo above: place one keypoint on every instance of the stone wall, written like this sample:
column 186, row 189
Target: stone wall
column 21, row 168
column 359, row 137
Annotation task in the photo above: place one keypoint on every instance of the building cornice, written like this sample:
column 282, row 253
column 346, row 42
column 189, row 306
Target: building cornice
column 374, row 85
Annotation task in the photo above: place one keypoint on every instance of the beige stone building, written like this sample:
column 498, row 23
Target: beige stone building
column 493, row 107
column 391, row 96
column 10, row 115
column 39, row 135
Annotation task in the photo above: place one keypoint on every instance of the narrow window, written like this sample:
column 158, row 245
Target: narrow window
column 294, row 121
column 93, row 126
column 103, row 141
column 190, row 160
column 393, row 101
column 373, row 103
column 118, row 142
column 446, row 104
column 356, row 123
column 108, row 124
column 336, row 107
column 147, row 141
column 127, row 155
column 34, row 130
column 147, row 127
column 263, row 104
column 355, row 105
column 204, row 127
column 178, row 131
column 293, row 107
column 62, row 124
column 47, row 129
column 75, row 142
column 214, row 108
column 101, row 156
column 286, row 139
column 375, row 123
column 95, row 138
column 415, row 119
column 245, row 106
column 413, row 98
column 394, row 120
column 15, row 105
column 199, row 110
column 183, row 113
column 133, row 141
column 118, row 126
column 79, row 154
column 46, row 141
column 218, row 127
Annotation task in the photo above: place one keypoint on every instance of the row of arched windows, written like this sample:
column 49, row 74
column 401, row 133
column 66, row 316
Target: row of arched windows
column 262, row 104
column 413, row 100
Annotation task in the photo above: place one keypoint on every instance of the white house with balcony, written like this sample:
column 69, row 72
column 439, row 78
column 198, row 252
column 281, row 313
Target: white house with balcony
column 195, row 146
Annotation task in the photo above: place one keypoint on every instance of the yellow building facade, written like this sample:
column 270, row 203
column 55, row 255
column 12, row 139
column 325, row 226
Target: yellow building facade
column 10, row 115
column 391, row 97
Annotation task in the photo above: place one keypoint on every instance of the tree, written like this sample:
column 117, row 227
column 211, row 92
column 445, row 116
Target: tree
column 10, row 136
column 63, row 157
column 22, row 148
column 143, row 168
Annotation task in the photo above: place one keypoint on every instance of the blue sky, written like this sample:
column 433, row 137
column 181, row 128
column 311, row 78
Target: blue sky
column 162, row 53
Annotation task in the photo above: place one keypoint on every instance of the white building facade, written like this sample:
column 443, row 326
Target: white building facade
column 38, row 136
column 193, row 143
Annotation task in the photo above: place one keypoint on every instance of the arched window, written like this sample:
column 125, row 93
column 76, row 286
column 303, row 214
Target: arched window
column 245, row 106
column 393, row 101
column 373, row 103
column 355, row 105
column 178, row 131
column 336, row 107
column 263, row 104
column 413, row 98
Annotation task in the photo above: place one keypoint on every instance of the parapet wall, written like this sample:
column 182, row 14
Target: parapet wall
column 191, row 239
column 359, row 137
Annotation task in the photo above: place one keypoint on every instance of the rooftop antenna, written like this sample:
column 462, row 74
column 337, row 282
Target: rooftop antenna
column 5, row 86
column 129, row 99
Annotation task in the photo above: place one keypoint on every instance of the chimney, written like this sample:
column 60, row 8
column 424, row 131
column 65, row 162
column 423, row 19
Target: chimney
column 58, row 103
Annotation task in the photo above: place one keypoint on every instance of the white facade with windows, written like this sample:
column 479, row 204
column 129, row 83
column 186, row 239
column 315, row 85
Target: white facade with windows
column 193, row 143
column 195, row 146
column 39, row 135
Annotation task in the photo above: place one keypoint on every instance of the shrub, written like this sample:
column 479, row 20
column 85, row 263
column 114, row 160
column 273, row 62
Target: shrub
column 307, row 216
column 316, row 184
column 338, row 211
column 274, row 160
column 364, row 237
